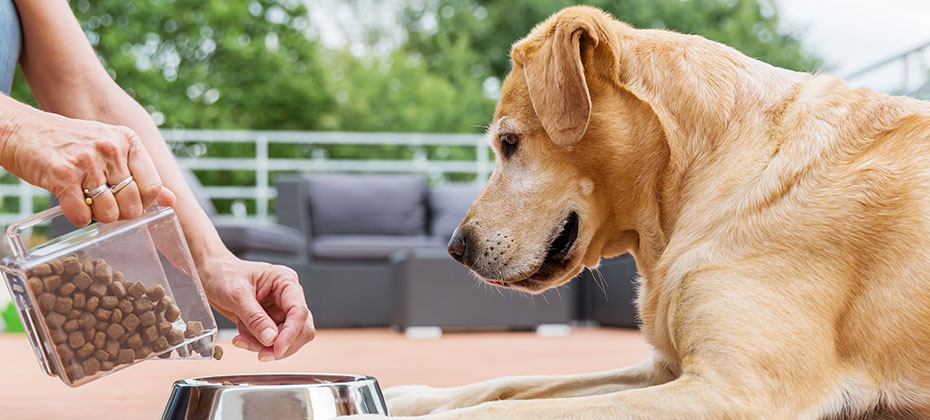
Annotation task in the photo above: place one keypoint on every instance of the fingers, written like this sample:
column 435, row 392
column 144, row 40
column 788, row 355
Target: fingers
column 72, row 204
column 253, row 317
column 147, row 181
column 298, row 324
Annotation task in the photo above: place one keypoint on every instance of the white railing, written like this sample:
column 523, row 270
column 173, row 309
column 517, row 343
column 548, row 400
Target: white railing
column 905, row 73
column 192, row 145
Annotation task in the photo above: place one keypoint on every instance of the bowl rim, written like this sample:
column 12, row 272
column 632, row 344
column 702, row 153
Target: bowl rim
column 239, row 380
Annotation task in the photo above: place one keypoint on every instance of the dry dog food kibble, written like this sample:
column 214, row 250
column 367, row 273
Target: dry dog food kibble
column 99, row 321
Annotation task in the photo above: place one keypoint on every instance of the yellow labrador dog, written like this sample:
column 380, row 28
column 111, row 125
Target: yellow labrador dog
column 780, row 222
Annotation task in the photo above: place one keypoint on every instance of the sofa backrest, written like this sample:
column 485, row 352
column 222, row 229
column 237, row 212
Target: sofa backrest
column 353, row 204
column 448, row 204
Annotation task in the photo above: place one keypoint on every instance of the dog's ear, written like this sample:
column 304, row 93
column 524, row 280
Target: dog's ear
column 555, row 77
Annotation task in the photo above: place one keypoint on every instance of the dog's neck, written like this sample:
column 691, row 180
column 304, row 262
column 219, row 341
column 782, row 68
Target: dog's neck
column 693, row 86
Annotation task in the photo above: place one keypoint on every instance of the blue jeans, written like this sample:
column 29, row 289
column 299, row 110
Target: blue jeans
column 10, row 43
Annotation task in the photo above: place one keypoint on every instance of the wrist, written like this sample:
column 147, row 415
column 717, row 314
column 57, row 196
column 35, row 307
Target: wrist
column 12, row 114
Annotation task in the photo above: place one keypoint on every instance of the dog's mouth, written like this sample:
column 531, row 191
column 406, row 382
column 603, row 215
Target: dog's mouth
column 557, row 258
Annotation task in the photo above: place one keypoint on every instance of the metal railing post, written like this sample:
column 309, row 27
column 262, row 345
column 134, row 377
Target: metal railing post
column 261, row 177
column 482, row 172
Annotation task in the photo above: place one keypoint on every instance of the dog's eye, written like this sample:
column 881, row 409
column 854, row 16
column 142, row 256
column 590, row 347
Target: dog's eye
column 509, row 144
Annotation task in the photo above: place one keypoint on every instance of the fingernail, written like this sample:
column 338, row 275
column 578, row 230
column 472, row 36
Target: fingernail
column 267, row 336
column 266, row 358
column 241, row 344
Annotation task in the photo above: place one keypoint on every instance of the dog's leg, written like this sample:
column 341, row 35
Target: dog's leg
column 419, row 400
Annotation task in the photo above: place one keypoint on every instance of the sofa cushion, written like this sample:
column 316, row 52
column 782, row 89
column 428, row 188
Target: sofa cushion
column 251, row 236
column 448, row 205
column 350, row 204
column 368, row 246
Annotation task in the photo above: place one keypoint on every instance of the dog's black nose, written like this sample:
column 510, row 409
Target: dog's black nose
column 458, row 246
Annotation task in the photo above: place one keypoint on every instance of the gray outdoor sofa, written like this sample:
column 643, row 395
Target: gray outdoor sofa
column 377, row 256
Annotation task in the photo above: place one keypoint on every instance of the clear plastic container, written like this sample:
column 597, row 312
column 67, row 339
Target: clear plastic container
column 108, row 296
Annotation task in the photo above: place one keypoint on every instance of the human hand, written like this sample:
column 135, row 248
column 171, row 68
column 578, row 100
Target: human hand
column 66, row 156
column 265, row 301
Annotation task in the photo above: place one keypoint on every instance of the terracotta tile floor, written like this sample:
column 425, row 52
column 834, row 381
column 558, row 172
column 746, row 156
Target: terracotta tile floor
column 139, row 392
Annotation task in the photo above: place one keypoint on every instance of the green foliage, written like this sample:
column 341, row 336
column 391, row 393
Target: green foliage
column 489, row 28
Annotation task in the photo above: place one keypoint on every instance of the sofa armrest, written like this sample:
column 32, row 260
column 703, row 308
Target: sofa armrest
column 293, row 205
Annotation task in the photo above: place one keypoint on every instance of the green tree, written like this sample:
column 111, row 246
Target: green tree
column 211, row 64
column 489, row 28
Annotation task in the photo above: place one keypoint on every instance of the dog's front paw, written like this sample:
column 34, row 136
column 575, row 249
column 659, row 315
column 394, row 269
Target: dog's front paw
column 416, row 400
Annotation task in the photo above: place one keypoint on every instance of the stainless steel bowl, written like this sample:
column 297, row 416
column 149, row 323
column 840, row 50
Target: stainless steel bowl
column 274, row 396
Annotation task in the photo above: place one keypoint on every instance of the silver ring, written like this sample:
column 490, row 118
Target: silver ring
column 120, row 185
column 95, row 192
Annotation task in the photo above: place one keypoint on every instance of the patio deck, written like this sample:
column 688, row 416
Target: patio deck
column 457, row 358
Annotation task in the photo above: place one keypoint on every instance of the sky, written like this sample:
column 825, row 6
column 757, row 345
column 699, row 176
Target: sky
column 852, row 34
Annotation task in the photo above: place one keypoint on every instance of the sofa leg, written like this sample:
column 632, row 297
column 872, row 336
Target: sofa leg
column 553, row 330
column 423, row 333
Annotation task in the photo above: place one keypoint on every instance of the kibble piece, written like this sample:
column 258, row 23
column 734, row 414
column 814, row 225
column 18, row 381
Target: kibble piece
column 36, row 285
column 126, row 306
column 143, row 352
column 100, row 339
column 117, row 316
column 42, row 270
column 103, row 314
column 172, row 313
column 217, row 352
column 74, row 314
column 74, row 372
column 118, row 276
column 85, row 351
column 55, row 320
column 109, row 302
column 175, row 337
column 112, row 348
column 136, row 290
column 115, row 331
column 163, row 304
column 66, row 289
column 98, row 289
column 71, row 325
column 130, row 321
column 92, row 303
column 149, row 334
column 142, row 304
column 101, row 325
column 71, row 265
column 82, row 281
column 101, row 355
column 160, row 344
column 46, row 301
column 117, row 288
column 76, row 339
column 89, row 334
column 51, row 283
column 134, row 341
column 194, row 328
column 79, row 299
column 65, row 351
column 106, row 366
column 125, row 356
column 58, row 335
column 147, row 318
column 57, row 266
column 91, row 366
column 155, row 293
column 87, row 264
column 122, row 339
column 102, row 271
column 87, row 320
column 63, row 305
column 163, row 327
